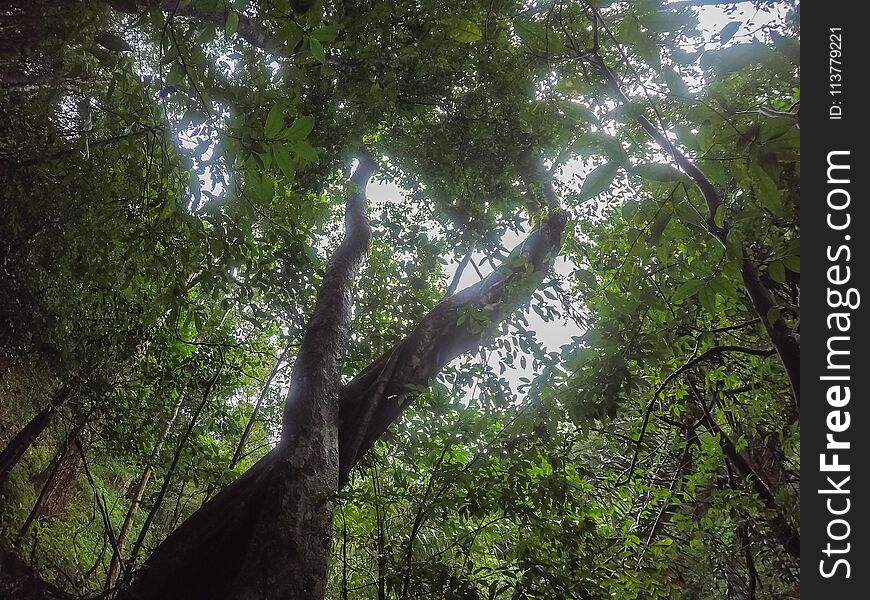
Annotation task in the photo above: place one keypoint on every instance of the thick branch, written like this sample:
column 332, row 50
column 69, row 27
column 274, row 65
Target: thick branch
column 707, row 189
column 374, row 399
column 247, row 30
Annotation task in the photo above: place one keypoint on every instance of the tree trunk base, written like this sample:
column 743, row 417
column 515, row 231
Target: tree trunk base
column 201, row 559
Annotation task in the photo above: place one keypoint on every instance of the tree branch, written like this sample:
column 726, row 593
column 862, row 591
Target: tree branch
column 787, row 534
column 454, row 283
column 374, row 399
column 787, row 346
column 247, row 30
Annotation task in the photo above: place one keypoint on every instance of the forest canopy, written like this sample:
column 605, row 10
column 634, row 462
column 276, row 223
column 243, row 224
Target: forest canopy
column 399, row 299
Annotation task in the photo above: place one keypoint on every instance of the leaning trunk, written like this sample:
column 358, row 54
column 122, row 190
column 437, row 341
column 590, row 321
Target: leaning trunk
column 268, row 534
column 18, row 445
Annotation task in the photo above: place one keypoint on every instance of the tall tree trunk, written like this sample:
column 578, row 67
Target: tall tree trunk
column 267, row 535
column 19, row 444
column 289, row 550
column 276, row 542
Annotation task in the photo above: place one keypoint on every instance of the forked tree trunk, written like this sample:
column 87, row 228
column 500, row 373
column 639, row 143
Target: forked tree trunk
column 275, row 541
column 267, row 535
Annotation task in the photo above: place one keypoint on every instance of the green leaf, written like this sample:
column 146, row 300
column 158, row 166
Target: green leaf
column 658, row 172
column 290, row 33
column 688, row 216
column 648, row 50
column 776, row 270
column 300, row 128
column 734, row 246
column 707, row 296
column 274, row 121
column 264, row 159
column 734, row 58
column 176, row 76
column 577, row 110
column 259, row 188
column 687, row 137
column 596, row 142
column 110, row 41
column 306, row 151
column 597, row 181
column 675, row 81
column 284, row 162
column 325, row 34
column 231, row 26
column 766, row 190
column 723, row 286
column 317, row 50
column 792, row 263
column 727, row 32
column 687, row 290
column 462, row 30
column 663, row 21
column 659, row 225
column 586, row 277
column 629, row 30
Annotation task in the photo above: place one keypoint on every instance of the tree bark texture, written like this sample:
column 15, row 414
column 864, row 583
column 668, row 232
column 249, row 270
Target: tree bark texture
column 268, row 534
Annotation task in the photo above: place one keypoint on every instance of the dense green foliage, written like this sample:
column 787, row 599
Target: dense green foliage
column 173, row 179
